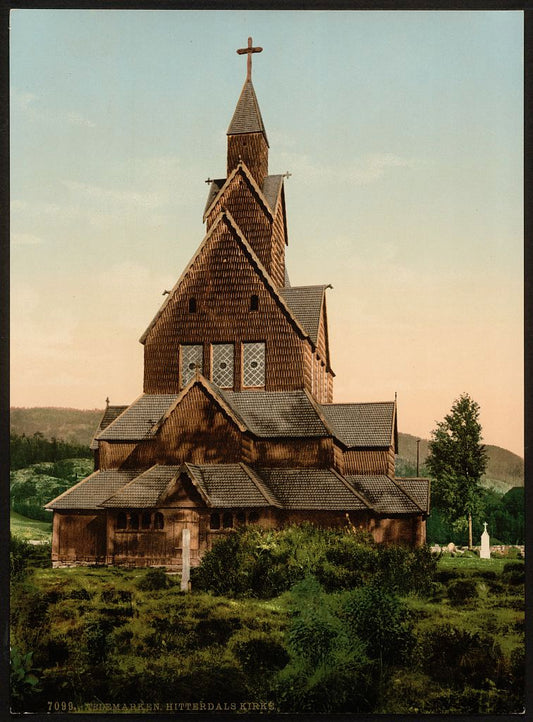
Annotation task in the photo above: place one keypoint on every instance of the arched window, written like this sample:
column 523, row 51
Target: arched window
column 159, row 520
column 241, row 517
column 227, row 520
column 192, row 305
column 253, row 517
column 146, row 520
column 214, row 522
column 134, row 521
column 254, row 302
column 122, row 520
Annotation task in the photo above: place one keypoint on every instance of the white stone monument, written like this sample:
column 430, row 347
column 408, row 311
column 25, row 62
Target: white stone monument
column 484, row 552
column 185, row 560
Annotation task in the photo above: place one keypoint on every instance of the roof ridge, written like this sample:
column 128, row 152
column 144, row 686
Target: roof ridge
column 127, row 484
column 351, row 488
column 261, row 485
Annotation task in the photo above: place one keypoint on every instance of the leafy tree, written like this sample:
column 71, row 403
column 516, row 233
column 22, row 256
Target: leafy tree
column 457, row 461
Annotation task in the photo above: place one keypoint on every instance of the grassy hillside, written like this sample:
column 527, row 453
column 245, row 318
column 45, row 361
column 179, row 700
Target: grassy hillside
column 27, row 529
column 504, row 469
column 75, row 425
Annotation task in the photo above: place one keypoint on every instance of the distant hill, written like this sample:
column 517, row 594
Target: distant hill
column 75, row 425
column 504, row 468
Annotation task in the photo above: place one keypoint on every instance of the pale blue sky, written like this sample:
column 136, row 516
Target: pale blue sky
column 403, row 132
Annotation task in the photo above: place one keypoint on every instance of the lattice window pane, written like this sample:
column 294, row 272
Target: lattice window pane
column 223, row 365
column 192, row 358
column 254, row 364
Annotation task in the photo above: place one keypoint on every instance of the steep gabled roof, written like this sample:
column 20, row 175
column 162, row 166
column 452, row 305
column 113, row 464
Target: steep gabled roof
column 138, row 421
column 92, row 491
column 362, row 425
column 319, row 489
column 306, row 304
column 418, row 489
column 110, row 414
column 271, row 414
column 385, row 496
column 241, row 168
column 226, row 217
column 271, row 189
column 144, row 490
column 247, row 116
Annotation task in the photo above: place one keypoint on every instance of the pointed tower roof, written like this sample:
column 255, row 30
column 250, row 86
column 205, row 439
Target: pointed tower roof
column 247, row 116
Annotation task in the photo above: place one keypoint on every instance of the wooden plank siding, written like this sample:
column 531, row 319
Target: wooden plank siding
column 222, row 281
column 293, row 453
column 368, row 461
column 196, row 431
column 252, row 149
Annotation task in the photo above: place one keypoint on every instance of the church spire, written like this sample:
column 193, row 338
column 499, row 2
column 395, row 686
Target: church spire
column 247, row 138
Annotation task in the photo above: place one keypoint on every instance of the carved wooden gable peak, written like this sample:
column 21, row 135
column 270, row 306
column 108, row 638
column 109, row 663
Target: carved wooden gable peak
column 240, row 172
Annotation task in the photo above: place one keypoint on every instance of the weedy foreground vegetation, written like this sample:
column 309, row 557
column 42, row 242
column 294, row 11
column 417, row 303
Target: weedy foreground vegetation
column 305, row 619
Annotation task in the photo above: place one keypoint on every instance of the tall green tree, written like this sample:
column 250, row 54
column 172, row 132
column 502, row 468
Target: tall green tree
column 457, row 460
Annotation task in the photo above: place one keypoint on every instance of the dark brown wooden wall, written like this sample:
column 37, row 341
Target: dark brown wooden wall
column 371, row 461
column 292, row 453
column 222, row 281
column 252, row 149
column 79, row 537
column 196, row 431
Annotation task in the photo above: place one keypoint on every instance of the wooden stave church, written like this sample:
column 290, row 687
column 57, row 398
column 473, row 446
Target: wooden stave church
column 236, row 423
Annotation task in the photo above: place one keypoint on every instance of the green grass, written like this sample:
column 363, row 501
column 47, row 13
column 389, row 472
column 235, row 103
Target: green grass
column 28, row 529
column 471, row 564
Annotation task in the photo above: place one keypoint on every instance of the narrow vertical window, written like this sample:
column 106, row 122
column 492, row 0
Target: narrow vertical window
column 146, row 520
column 254, row 364
column 227, row 520
column 159, row 520
column 122, row 520
column 254, row 302
column 222, row 365
column 214, row 521
column 134, row 521
column 192, row 305
column 192, row 358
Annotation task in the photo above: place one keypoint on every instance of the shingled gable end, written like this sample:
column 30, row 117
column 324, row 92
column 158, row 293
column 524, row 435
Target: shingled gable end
column 236, row 424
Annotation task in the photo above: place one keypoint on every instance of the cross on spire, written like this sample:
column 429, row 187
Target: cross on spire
column 248, row 51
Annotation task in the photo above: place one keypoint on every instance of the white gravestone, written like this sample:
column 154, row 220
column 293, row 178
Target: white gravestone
column 186, row 560
column 484, row 552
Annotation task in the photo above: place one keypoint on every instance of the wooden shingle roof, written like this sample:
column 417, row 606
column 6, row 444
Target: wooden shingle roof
column 418, row 489
column 361, row 425
column 276, row 413
column 144, row 490
column 110, row 414
column 385, row 496
column 306, row 304
column 247, row 116
column 92, row 491
column 231, row 485
column 270, row 189
column 312, row 489
column 137, row 422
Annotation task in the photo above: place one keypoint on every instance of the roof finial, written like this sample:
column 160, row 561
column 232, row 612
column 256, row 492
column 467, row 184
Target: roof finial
column 107, row 402
column 248, row 51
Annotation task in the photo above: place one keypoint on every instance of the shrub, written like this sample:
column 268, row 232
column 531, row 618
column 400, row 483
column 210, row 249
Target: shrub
column 454, row 656
column 258, row 652
column 256, row 562
column 382, row 621
column 462, row 591
column 153, row 580
column 514, row 572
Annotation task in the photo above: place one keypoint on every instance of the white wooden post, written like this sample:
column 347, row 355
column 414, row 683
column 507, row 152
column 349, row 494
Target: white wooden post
column 185, row 560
